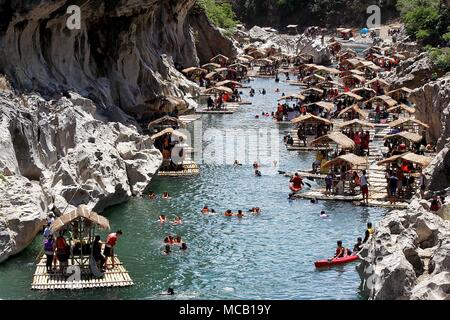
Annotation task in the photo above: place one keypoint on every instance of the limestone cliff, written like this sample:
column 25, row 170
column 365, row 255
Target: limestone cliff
column 69, row 128
column 59, row 154
column 433, row 107
column 123, row 54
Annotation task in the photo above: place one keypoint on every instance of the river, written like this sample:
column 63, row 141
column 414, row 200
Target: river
column 270, row 256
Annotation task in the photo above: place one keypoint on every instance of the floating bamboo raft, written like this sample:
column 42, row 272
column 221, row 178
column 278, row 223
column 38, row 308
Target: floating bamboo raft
column 230, row 109
column 117, row 277
column 190, row 168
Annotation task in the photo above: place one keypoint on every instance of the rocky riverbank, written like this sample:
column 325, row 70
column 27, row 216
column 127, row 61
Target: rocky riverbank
column 58, row 154
column 408, row 256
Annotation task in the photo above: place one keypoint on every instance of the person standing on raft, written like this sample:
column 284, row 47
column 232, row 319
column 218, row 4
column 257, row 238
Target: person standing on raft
column 110, row 243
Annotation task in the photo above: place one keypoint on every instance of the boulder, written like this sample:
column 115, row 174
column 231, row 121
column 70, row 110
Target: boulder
column 413, row 72
column 57, row 155
column 23, row 213
column 432, row 102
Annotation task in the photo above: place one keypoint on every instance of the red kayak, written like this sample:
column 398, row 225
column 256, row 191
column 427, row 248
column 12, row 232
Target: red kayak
column 295, row 190
column 335, row 261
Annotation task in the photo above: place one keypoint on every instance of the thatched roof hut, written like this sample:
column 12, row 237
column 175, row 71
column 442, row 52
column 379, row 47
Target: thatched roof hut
column 351, row 95
column 82, row 214
column 356, row 123
column 350, row 159
column 383, row 99
column 167, row 121
column 405, row 122
column 353, row 108
column 310, row 119
column 323, row 104
column 337, row 138
column 292, row 97
column 423, row 161
column 402, row 107
column 409, row 136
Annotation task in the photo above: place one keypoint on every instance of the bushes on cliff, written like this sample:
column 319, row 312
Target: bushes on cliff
column 426, row 20
column 220, row 13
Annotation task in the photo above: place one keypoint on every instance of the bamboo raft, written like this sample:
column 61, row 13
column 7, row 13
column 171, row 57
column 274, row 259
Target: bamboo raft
column 306, row 174
column 190, row 168
column 305, row 148
column 230, row 109
column 117, row 277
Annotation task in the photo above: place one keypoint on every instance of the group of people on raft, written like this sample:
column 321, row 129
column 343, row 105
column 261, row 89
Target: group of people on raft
column 59, row 249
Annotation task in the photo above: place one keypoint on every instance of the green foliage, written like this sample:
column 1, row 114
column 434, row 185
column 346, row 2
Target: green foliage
column 425, row 20
column 2, row 177
column 220, row 13
column 441, row 57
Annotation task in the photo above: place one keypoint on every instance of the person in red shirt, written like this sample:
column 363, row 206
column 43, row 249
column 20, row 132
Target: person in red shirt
column 110, row 243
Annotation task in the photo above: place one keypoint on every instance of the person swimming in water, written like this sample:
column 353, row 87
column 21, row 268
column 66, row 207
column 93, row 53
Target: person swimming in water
column 255, row 165
column 166, row 195
column 258, row 173
column 177, row 220
column 170, row 292
column 314, row 201
column 228, row 213
column 240, row 214
column 167, row 250
column 236, row 163
column 206, row 210
column 162, row 218
column 177, row 240
column 255, row 210
column 263, row 91
column 151, row 195
column 323, row 214
column 168, row 240
column 183, row 246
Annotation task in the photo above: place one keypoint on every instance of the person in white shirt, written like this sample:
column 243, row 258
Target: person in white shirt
column 364, row 187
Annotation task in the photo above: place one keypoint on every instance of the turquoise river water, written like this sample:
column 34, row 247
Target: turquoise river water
column 270, row 256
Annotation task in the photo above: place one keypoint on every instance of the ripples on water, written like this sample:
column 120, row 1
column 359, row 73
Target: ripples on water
column 257, row 257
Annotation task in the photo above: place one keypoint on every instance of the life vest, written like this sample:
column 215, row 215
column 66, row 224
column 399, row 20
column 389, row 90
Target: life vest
column 371, row 230
column 61, row 245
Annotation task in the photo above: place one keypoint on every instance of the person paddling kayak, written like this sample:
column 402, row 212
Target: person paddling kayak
column 341, row 251
column 296, row 183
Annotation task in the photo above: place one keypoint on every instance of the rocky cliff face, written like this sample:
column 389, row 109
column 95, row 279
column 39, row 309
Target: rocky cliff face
column 408, row 255
column 433, row 107
column 123, row 54
column 86, row 147
column 413, row 72
column 299, row 44
column 60, row 154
